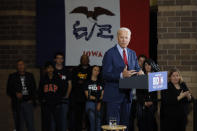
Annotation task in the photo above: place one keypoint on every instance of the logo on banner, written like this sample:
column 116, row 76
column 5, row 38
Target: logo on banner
column 91, row 28
column 157, row 81
column 92, row 14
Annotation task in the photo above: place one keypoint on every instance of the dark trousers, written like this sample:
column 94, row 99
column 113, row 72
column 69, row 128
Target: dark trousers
column 173, row 123
column 23, row 114
column 77, row 110
column 119, row 111
column 64, row 116
column 146, row 118
column 133, row 115
column 51, row 117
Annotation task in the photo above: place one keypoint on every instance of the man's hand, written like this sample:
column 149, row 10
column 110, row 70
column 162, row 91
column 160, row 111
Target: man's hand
column 140, row 72
column 127, row 73
column 19, row 95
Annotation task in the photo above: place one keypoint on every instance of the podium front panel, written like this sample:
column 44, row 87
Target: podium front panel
column 134, row 82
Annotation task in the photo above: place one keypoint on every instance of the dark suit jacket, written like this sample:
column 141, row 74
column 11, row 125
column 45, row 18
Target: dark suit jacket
column 113, row 65
column 14, row 85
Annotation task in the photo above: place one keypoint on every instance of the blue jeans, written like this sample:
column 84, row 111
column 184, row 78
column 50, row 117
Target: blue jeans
column 90, row 109
column 23, row 114
column 64, row 116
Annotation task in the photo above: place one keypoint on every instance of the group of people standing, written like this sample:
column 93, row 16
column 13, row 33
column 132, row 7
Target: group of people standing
column 70, row 99
column 64, row 96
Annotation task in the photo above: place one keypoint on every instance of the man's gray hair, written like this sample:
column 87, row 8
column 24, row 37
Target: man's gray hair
column 124, row 29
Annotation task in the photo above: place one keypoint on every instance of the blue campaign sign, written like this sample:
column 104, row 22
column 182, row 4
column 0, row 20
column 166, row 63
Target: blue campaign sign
column 157, row 81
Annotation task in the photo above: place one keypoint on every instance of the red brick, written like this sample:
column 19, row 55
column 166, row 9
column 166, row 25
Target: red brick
column 173, row 52
column 173, row 29
column 183, row 2
column 183, row 13
column 17, row 4
column 194, row 46
column 169, row 35
column 189, row 63
column 194, row 57
column 194, row 24
column 166, row 2
column 183, row 24
column 162, row 19
column 194, row 13
column 167, row 68
column 169, row 46
column 162, row 52
column 184, row 68
column 183, row 57
column 194, row 68
column 162, row 30
column 168, row 13
column 183, row 35
column 159, row 57
column 183, row 52
column 175, row 63
column 194, row 35
column 168, row 57
column 188, row 29
column 169, row 24
column 183, row 46
column 188, row 18
column 161, row 63
column 173, row 19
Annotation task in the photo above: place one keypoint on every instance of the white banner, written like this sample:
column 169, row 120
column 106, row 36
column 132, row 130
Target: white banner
column 91, row 28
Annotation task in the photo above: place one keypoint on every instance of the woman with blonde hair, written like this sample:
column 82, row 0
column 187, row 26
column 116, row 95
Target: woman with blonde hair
column 175, row 102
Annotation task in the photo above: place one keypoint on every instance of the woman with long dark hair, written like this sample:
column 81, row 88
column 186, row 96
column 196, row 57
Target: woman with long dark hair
column 147, row 102
column 94, row 94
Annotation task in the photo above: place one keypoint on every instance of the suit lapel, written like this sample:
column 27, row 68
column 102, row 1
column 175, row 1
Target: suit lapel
column 119, row 57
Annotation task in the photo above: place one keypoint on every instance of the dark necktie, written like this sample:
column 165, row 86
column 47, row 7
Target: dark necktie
column 125, row 57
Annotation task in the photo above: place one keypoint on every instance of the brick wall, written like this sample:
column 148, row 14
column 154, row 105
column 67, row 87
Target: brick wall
column 177, row 34
column 17, row 32
column 17, row 40
column 177, row 41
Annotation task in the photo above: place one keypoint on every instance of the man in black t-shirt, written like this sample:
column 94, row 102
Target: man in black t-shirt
column 80, row 76
column 64, row 75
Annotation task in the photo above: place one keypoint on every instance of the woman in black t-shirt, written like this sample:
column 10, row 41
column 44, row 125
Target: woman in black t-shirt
column 50, row 93
column 94, row 94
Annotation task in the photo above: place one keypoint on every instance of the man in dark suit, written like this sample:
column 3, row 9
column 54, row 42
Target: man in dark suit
column 119, row 62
